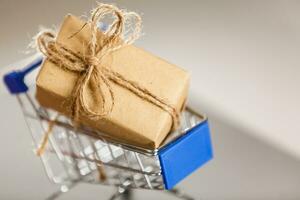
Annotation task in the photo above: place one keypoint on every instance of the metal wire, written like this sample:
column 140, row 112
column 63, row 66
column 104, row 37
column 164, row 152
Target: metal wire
column 75, row 154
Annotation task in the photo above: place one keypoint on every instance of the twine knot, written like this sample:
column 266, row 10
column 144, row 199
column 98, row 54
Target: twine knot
column 89, row 66
column 92, row 61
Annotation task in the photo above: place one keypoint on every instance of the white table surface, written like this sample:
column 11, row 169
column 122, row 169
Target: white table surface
column 243, row 57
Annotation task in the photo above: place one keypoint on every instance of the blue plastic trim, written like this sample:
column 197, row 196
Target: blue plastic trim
column 186, row 154
column 14, row 80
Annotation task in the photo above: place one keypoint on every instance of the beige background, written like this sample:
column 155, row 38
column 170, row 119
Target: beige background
column 244, row 60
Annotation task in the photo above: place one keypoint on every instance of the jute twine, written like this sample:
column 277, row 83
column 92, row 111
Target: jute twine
column 40, row 151
column 124, row 29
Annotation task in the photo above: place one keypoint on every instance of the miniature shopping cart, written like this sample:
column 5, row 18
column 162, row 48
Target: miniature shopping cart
column 86, row 155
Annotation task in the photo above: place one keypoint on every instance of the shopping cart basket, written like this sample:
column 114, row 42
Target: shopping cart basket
column 86, row 155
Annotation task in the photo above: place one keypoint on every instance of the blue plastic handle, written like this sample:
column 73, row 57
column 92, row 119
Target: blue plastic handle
column 14, row 80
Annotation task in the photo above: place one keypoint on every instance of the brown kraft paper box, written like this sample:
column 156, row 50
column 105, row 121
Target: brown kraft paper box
column 133, row 120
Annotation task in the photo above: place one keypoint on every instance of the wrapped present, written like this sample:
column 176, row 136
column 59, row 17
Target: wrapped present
column 100, row 80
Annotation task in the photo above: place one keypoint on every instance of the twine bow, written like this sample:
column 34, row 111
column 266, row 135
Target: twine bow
column 89, row 67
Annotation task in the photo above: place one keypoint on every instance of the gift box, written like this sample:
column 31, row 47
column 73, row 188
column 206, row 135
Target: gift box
column 132, row 120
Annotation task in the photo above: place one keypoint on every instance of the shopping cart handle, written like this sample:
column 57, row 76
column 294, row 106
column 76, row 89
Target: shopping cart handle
column 14, row 80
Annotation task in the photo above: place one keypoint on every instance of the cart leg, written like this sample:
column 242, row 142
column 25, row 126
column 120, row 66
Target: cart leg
column 179, row 194
column 63, row 189
column 122, row 193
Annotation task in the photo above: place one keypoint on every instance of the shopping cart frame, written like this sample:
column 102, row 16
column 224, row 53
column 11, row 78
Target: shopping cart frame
column 193, row 141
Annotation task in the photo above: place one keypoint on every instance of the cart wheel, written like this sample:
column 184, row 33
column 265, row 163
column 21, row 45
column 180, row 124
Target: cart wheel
column 63, row 189
column 122, row 193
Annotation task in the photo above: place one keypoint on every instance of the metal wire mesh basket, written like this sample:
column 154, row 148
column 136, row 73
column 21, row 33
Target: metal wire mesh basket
column 86, row 155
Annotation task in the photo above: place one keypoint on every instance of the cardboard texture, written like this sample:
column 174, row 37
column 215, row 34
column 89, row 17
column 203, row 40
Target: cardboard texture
column 132, row 120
